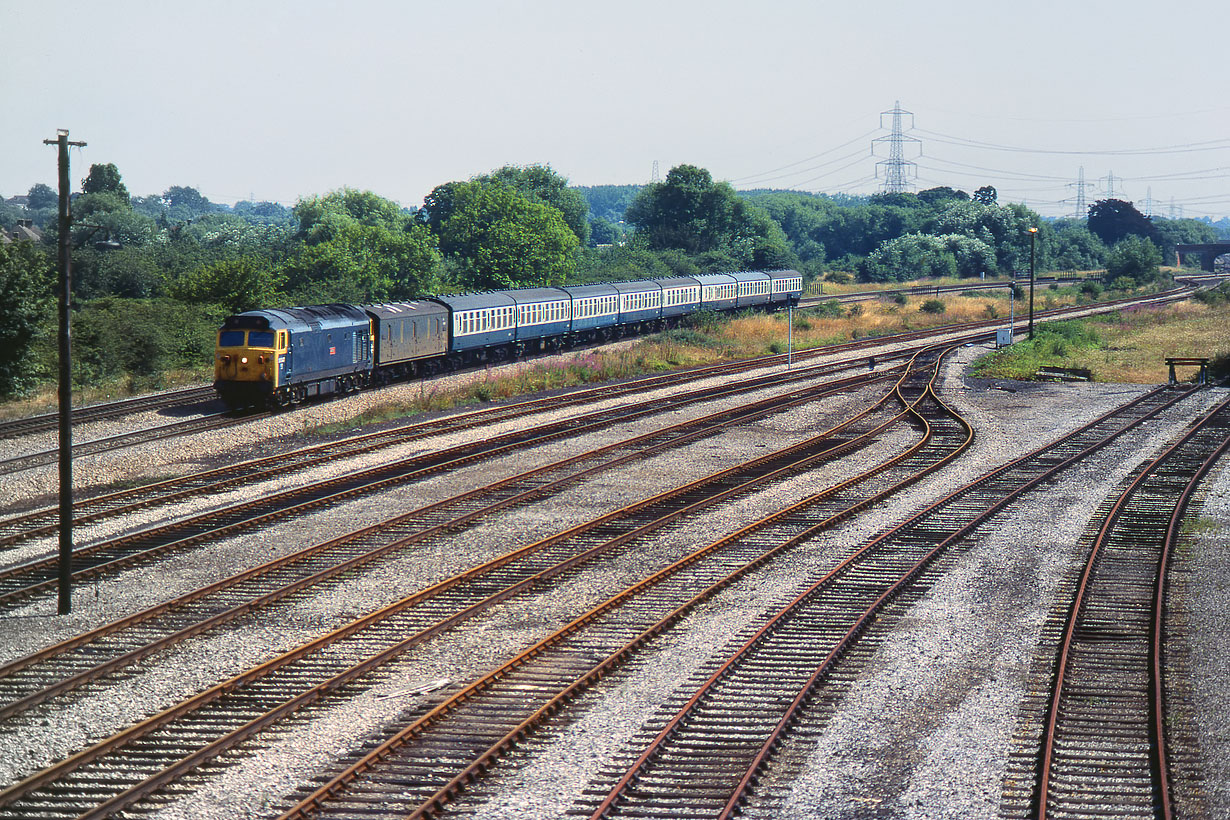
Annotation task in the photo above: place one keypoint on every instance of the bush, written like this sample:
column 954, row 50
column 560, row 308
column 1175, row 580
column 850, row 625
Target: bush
column 991, row 311
column 829, row 309
column 1134, row 257
column 932, row 306
column 1091, row 289
column 855, row 310
column 114, row 336
column 838, row 277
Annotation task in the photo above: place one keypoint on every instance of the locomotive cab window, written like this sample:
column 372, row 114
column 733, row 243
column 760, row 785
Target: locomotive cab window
column 260, row 338
column 230, row 338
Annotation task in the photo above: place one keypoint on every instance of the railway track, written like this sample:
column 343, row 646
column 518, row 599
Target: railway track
column 45, row 522
column 402, row 776
column 20, row 582
column 1104, row 738
column 47, row 457
column 378, row 638
column 97, row 412
column 105, row 650
column 186, row 427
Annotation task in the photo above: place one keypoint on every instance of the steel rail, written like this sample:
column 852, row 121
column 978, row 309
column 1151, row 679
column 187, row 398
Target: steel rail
column 1085, row 590
column 86, row 756
column 113, row 554
column 45, row 522
column 307, row 806
column 95, row 412
column 778, row 732
column 496, row 496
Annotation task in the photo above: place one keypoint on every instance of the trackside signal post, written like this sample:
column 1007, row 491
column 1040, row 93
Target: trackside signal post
column 66, row 373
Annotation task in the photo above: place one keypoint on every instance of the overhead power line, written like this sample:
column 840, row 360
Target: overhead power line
column 1210, row 145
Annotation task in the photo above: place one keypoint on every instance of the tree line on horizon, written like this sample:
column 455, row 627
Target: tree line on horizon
column 155, row 275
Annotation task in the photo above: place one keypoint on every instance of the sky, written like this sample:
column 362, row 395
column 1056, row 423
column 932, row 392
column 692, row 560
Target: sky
column 277, row 100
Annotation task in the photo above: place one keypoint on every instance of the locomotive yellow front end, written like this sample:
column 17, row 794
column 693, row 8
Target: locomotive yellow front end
column 246, row 368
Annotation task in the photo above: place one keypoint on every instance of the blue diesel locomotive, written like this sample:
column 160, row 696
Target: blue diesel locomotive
column 284, row 356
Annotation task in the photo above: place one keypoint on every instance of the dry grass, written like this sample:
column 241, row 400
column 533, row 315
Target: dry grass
column 1130, row 346
column 46, row 400
column 1138, row 343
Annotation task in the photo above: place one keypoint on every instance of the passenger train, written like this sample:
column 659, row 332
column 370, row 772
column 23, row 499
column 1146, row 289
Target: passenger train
column 284, row 356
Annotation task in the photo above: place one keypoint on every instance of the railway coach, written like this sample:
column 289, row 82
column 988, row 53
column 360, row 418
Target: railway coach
column 284, row 356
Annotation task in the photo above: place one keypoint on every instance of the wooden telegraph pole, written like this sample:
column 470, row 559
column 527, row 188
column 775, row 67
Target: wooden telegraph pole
column 66, row 374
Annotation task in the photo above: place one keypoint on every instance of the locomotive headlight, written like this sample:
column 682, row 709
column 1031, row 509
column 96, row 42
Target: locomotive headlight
column 243, row 360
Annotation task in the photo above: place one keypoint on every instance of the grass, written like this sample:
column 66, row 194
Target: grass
column 45, row 398
column 1127, row 346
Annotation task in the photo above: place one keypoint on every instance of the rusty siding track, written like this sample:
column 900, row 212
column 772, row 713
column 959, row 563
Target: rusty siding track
column 737, row 715
column 20, row 582
column 187, row 427
column 72, row 663
column 386, row 781
column 201, row 425
column 536, row 684
column 115, row 409
column 1104, row 739
column 378, row 637
column 44, row 522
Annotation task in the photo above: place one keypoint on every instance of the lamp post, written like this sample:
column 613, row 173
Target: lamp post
column 1033, row 235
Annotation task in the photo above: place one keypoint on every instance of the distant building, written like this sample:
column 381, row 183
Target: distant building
column 25, row 230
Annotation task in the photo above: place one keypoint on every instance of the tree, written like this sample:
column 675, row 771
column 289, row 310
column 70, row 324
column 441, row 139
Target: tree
column 42, row 197
column 1135, row 257
column 236, row 285
column 986, row 195
column 25, row 277
column 104, row 179
column 934, row 196
column 538, row 183
column 707, row 220
column 497, row 238
column 909, row 257
column 1113, row 219
column 186, row 197
column 1075, row 248
column 358, row 246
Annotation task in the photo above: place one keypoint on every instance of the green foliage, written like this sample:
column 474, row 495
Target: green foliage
column 839, row 277
column 910, row 257
column 1074, row 247
column 986, row 195
column 1112, row 220
column 360, row 247
column 932, row 306
column 708, row 221
column 140, row 336
column 42, row 196
column 496, row 238
column 626, row 262
column 235, row 285
column 1091, row 289
column 538, row 183
column 1005, row 229
column 934, row 196
column 1134, row 257
column 602, row 232
column 1053, row 342
column 1214, row 297
column 104, row 178
column 609, row 202
column 25, row 281
column 828, row 309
